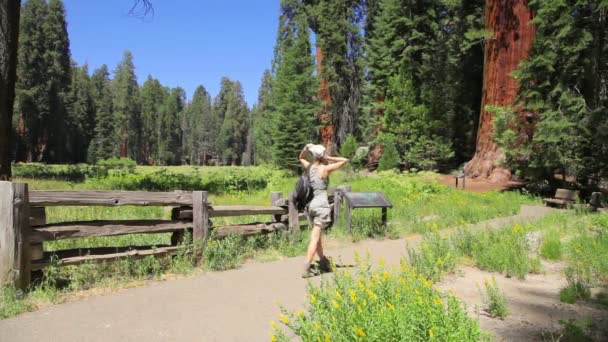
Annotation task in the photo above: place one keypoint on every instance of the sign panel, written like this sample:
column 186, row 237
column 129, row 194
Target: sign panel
column 367, row 200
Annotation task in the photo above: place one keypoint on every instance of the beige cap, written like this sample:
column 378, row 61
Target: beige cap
column 317, row 151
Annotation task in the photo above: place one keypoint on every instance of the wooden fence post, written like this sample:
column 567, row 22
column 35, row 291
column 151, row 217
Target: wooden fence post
column 294, row 219
column 274, row 198
column 200, row 216
column 338, row 199
column 14, row 225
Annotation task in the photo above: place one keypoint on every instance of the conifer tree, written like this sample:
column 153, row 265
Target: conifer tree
column 233, row 132
column 170, row 137
column 152, row 97
column 81, row 115
column 563, row 126
column 57, row 55
column 9, row 26
column 200, row 140
column 338, row 26
column 105, row 133
column 293, row 87
column 33, row 102
column 263, row 133
column 220, row 105
column 126, row 108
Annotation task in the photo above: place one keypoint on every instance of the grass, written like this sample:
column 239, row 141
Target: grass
column 503, row 250
column 420, row 205
column 433, row 257
column 494, row 299
column 379, row 305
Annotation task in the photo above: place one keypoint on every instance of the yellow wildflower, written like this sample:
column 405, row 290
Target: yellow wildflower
column 273, row 338
column 381, row 262
column 283, row 318
column 313, row 299
column 438, row 301
column 431, row 333
column 338, row 295
column 353, row 296
column 390, row 306
column 273, row 324
column 335, row 304
column 360, row 331
column 300, row 313
column 428, row 283
column 327, row 338
column 359, row 309
column 440, row 262
column 317, row 326
column 372, row 295
column 385, row 275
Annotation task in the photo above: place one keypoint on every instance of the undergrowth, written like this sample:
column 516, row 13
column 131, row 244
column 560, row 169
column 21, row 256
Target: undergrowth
column 379, row 305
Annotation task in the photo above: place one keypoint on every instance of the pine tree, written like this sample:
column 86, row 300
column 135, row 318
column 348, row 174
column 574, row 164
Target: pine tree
column 202, row 137
column 293, row 88
column 263, row 133
column 126, row 109
column 390, row 158
column 220, row 105
column 33, row 102
column 80, row 114
column 152, row 97
column 105, row 136
column 57, row 55
column 170, row 137
column 233, row 132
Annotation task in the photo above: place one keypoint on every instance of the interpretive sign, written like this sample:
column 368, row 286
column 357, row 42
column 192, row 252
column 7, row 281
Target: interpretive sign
column 365, row 200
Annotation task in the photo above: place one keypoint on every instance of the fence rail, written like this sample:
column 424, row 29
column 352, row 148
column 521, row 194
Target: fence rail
column 24, row 230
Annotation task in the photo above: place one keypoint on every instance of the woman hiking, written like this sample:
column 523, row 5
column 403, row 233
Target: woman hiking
column 318, row 209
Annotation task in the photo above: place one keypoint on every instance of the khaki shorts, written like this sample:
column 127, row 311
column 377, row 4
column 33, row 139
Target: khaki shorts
column 320, row 216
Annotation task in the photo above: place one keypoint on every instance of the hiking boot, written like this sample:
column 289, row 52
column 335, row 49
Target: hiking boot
column 325, row 265
column 308, row 272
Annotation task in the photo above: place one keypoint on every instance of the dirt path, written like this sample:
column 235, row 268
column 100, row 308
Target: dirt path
column 475, row 185
column 235, row 305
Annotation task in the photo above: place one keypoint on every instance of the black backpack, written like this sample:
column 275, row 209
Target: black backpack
column 303, row 193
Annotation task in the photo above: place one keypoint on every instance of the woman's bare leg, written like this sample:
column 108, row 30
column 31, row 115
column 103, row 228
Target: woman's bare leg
column 314, row 244
column 320, row 247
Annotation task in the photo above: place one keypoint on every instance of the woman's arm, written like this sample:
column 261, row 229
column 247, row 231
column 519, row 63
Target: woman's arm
column 336, row 163
column 302, row 156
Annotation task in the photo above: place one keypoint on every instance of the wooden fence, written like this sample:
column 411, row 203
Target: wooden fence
column 24, row 230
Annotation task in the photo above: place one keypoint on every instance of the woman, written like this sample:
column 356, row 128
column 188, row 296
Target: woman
column 318, row 209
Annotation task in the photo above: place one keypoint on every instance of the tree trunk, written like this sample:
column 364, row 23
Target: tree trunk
column 327, row 128
column 514, row 34
column 9, row 29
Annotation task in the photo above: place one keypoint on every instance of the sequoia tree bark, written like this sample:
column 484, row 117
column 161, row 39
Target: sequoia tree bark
column 513, row 35
column 325, row 119
column 9, row 36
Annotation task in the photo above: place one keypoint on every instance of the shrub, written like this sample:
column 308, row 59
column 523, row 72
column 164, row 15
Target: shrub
column 577, row 288
column 551, row 247
column 348, row 148
column 379, row 305
column 433, row 257
column 494, row 299
column 390, row 157
column 224, row 254
column 505, row 250
column 118, row 165
column 11, row 303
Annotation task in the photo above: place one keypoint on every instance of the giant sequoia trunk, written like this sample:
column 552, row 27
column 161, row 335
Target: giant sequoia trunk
column 9, row 29
column 509, row 20
column 325, row 119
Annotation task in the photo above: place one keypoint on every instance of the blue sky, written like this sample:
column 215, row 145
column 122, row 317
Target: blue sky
column 186, row 43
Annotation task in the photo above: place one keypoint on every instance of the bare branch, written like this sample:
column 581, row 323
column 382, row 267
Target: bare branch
column 142, row 9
